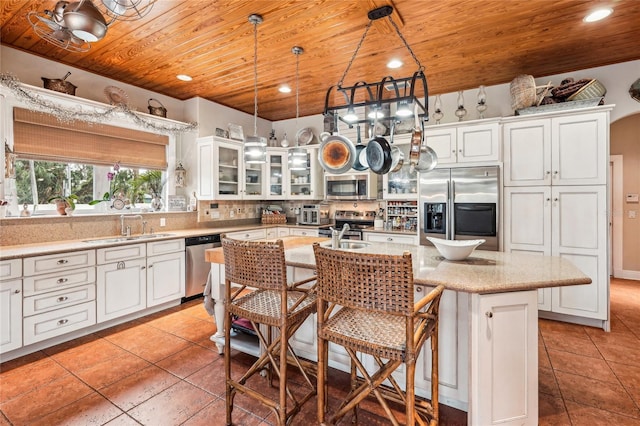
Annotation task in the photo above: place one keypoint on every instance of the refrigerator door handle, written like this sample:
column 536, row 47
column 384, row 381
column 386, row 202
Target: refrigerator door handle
column 450, row 200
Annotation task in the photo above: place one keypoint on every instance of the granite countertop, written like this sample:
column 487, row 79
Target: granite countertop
column 482, row 272
column 53, row 247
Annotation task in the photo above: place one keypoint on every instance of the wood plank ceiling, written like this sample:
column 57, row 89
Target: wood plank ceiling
column 461, row 44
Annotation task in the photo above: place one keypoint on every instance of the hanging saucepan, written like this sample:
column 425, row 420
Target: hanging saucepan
column 360, row 148
column 378, row 154
column 337, row 154
column 397, row 156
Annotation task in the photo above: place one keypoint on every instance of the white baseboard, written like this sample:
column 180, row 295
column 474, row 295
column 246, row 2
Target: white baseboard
column 626, row 274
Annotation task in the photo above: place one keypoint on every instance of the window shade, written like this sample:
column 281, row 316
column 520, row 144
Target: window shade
column 41, row 136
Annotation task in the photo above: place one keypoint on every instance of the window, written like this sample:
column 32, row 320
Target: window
column 37, row 181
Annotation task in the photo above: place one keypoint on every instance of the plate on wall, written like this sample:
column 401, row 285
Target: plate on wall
column 116, row 96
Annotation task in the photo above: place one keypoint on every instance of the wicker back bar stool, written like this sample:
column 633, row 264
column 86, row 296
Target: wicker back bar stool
column 256, row 290
column 366, row 304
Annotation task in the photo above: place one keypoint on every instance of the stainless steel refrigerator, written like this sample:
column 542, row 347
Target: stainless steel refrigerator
column 460, row 204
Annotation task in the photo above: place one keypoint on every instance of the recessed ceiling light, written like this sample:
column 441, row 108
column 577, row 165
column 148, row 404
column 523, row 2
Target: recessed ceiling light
column 394, row 63
column 284, row 89
column 184, row 77
column 598, row 14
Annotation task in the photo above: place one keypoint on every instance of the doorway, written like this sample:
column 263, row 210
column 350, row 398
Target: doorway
column 616, row 215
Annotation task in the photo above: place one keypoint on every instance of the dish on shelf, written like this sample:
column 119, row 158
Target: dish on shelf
column 304, row 136
column 455, row 249
column 116, row 96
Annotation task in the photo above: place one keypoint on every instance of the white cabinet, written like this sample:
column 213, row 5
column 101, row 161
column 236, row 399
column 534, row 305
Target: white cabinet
column 121, row 281
column 402, row 184
column 566, row 221
column 555, row 203
column 165, row 272
column 277, row 174
column 251, row 234
column 498, row 395
column 567, row 150
column 278, row 232
column 305, row 182
column 223, row 174
column 10, row 314
column 465, row 143
column 59, row 294
column 390, row 237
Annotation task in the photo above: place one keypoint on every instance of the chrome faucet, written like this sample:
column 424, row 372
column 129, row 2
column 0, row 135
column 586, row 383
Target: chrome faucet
column 336, row 236
column 127, row 231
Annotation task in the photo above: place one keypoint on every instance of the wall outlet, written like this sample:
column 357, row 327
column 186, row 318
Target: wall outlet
column 632, row 214
column 232, row 213
column 163, row 221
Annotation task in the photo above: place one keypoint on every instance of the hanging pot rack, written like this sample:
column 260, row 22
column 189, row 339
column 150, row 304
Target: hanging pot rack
column 401, row 91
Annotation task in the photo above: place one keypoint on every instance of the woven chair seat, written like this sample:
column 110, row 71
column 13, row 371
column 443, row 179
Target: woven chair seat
column 263, row 306
column 375, row 333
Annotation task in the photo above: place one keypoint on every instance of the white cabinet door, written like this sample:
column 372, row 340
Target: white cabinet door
column 580, row 149
column 277, row 174
column 527, row 153
column 478, row 143
column 10, row 315
column 254, row 177
column 443, row 142
column 306, row 182
column 499, row 322
column 205, row 168
column 579, row 220
column 121, row 288
column 402, row 184
column 10, row 269
column 227, row 170
column 527, row 213
column 165, row 278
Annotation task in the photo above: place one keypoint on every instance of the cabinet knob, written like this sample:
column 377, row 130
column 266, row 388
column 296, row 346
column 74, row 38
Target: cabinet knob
column 63, row 321
column 489, row 314
column 418, row 289
column 62, row 281
column 16, row 292
column 62, row 299
column 548, row 199
column 548, row 172
column 555, row 173
column 555, row 199
column 389, row 239
column 62, row 261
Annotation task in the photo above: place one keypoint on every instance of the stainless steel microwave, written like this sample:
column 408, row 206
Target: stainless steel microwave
column 352, row 186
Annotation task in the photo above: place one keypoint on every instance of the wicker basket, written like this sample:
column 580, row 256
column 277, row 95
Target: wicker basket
column 523, row 92
column 593, row 89
column 270, row 219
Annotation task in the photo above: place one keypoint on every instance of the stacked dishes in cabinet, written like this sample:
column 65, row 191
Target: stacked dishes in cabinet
column 402, row 215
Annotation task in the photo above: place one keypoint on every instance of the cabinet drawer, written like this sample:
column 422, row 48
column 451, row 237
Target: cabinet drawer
column 58, row 262
column 304, row 232
column 61, row 321
column 252, row 234
column 58, row 299
column 390, row 238
column 10, row 269
column 116, row 254
column 162, row 247
column 58, row 280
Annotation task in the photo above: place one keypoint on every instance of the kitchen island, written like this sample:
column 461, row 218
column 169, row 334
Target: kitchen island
column 488, row 324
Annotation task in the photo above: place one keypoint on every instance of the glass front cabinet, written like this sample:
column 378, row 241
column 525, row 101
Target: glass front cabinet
column 402, row 184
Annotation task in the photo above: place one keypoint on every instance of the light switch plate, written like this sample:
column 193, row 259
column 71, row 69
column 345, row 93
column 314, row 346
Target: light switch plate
column 632, row 198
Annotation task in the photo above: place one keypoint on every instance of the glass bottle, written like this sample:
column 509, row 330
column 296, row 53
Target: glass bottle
column 460, row 112
column 482, row 102
column 437, row 113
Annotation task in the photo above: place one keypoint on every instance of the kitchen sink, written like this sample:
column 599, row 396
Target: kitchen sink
column 350, row 245
column 126, row 238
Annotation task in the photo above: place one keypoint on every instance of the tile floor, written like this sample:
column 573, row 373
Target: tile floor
column 164, row 370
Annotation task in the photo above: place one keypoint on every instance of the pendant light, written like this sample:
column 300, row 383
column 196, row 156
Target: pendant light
column 255, row 147
column 297, row 155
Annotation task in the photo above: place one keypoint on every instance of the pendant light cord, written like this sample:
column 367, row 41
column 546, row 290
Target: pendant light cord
column 255, row 77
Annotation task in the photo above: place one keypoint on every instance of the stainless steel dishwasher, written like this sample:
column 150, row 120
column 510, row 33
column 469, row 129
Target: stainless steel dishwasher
column 197, row 268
